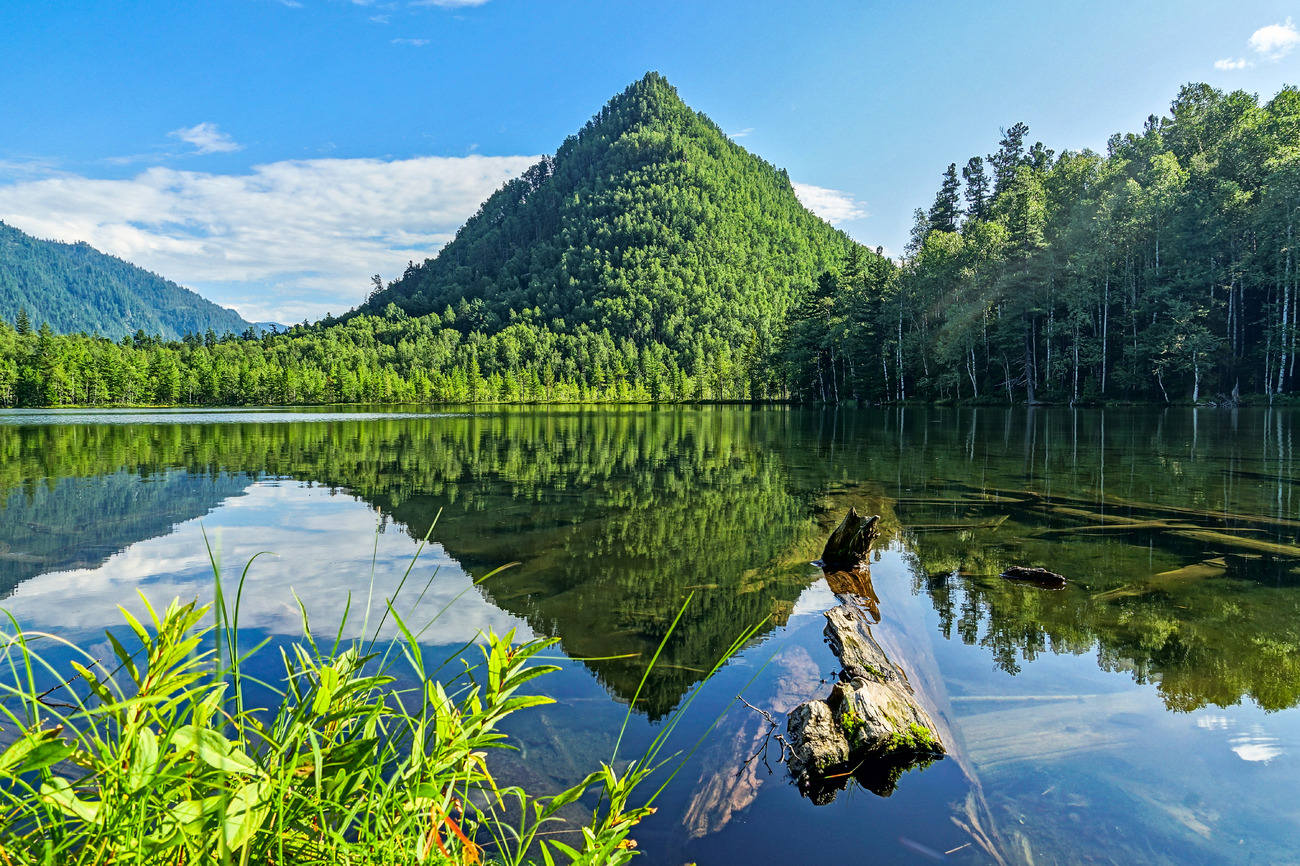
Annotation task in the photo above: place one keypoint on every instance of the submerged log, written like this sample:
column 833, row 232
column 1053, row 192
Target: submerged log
column 1039, row 577
column 851, row 541
column 871, row 727
column 1166, row 580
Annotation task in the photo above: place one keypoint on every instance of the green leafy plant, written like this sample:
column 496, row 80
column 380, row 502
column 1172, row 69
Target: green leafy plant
column 165, row 759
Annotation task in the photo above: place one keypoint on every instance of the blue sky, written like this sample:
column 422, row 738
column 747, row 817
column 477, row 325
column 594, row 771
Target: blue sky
column 273, row 154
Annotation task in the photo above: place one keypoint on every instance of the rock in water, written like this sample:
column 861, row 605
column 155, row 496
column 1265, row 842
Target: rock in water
column 851, row 541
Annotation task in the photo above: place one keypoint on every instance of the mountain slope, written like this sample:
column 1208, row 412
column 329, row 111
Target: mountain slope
column 75, row 287
column 649, row 223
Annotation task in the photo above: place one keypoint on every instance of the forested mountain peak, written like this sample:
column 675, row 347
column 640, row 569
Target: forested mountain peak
column 648, row 226
column 75, row 287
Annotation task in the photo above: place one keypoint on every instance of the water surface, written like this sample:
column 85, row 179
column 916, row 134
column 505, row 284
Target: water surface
column 1147, row 712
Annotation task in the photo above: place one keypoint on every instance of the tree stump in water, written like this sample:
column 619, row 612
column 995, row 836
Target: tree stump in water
column 870, row 728
column 851, row 541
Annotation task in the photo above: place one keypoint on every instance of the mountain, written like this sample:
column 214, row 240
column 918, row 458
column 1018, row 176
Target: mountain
column 649, row 223
column 75, row 287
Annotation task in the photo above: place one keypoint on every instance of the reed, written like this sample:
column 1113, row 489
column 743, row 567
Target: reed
column 365, row 756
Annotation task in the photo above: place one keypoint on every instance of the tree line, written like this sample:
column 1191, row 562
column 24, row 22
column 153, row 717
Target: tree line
column 1162, row 270
column 392, row 358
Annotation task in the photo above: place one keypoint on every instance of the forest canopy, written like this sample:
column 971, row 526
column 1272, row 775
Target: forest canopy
column 653, row 259
column 74, row 287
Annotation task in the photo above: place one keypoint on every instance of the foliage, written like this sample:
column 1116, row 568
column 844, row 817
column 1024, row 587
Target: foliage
column 917, row 738
column 74, row 287
column 651, row 259
column 1161, row 270
column 649, row 226
column 161, row 761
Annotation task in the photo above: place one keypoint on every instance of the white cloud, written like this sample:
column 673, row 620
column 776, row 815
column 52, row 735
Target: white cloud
column 415, row 42
column 1276, row 40
column 1228, row 63
column 448, row 4
column 291, row 240
column 832, row 205
column 206, row 137
column 741, row 133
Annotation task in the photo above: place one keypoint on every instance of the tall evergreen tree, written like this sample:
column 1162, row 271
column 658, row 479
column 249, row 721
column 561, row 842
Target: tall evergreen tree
column 977, row 188
column 1010, row 155
column 946, row 209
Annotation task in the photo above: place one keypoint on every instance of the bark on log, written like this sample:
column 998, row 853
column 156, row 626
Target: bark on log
column 850, row 543
column 871, row 727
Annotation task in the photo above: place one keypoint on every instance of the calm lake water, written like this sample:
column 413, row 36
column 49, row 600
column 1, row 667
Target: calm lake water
column 1145, row 713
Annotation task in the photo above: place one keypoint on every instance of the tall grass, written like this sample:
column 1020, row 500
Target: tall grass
column 169, row 758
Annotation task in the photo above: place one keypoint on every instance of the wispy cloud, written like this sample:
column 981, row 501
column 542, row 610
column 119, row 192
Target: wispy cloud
column 26, row 169
column 206, row 137
column 289, row 240
column 1276, row 40
column 1228, row 63
column 741, row 133
column 415, row 42
column 448, row 4
column 832, row 205
column 380, row 19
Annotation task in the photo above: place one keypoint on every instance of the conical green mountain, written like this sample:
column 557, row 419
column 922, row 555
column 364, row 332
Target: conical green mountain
column 75, row 287
column 649, row 223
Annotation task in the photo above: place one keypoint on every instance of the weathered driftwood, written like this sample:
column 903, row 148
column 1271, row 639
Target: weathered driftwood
column 870, row 728
column 1039, row 577
column 1290, row 551
column 851, row 541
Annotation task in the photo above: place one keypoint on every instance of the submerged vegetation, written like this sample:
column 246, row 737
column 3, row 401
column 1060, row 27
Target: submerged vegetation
column 617, row 514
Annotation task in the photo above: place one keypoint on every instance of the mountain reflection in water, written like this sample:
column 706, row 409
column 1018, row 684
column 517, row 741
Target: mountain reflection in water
column 1177, row 530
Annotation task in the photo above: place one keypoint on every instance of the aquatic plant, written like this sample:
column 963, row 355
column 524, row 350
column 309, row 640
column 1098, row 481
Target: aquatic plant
column 168, row 759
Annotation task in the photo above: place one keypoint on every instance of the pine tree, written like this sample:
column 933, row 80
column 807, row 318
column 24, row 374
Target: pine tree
column 977, row 188
column 23, row 324
column 1010, row 156
column 945, row 210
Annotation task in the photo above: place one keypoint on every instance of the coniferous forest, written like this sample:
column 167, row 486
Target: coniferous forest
column 74, row 287
column 653, row 259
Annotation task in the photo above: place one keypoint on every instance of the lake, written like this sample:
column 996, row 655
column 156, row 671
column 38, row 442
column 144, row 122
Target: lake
column 1144, row 713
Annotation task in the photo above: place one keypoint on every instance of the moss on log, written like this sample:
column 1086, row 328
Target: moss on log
column 870, row 728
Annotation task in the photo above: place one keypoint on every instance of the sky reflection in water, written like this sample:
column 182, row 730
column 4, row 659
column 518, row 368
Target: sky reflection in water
column 1060, row 703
